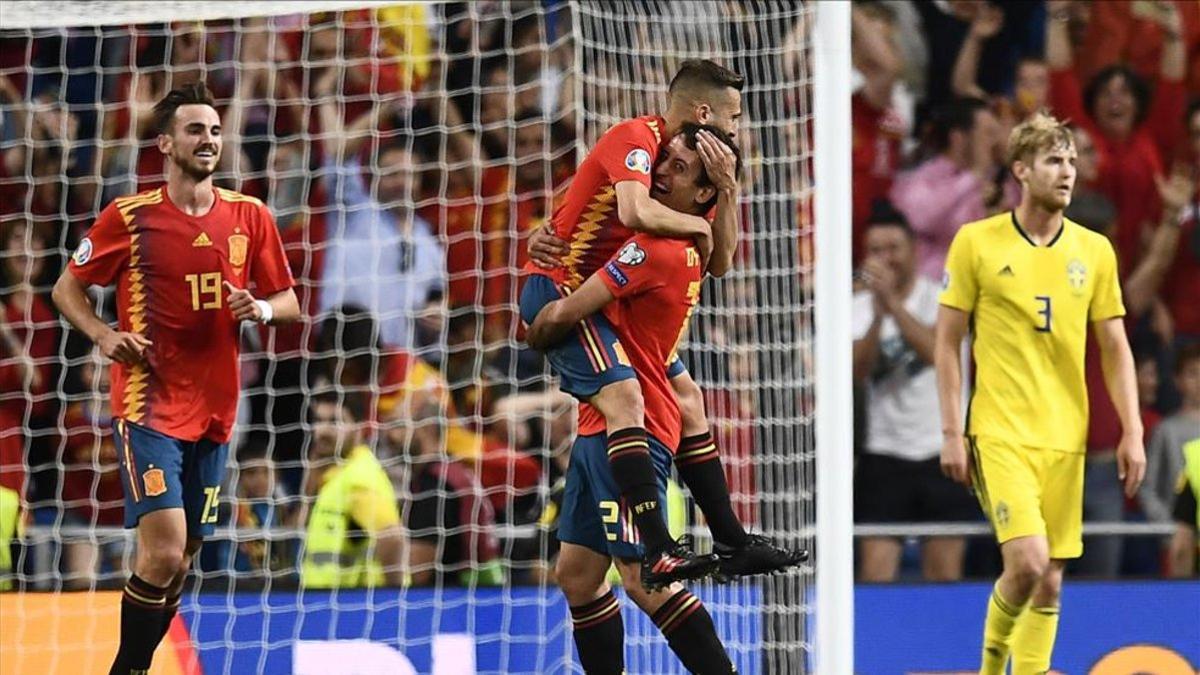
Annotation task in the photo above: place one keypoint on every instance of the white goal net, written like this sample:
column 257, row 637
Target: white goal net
column 406, row 152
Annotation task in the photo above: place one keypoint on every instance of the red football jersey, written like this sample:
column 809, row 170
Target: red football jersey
column 587, row 219
column 656, row 282
column 169, row 268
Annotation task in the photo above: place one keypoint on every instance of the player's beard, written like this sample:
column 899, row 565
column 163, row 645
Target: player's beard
column 192, row 168
column 1051, row 201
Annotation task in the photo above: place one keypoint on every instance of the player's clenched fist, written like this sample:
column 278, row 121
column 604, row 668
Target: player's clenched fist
column 955, row 462
column 242, row 304
column 124, row 348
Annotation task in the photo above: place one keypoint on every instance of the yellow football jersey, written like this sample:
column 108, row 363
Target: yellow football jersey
column 1030, row 307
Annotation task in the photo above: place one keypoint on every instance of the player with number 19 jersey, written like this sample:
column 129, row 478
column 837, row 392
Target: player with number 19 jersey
column 170, row 269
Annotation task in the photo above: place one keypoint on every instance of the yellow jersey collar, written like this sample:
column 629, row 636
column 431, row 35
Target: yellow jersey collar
column 1024, row 235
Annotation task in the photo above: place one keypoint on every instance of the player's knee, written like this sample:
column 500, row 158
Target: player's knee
column 1030, row 567
column 1049, row 587
column 577, row 586
column 165, row 559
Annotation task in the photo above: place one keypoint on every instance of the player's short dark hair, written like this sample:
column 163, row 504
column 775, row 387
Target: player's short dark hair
column 1186, row 356
column 196, row 93
column 885, row 214
column 701, row 74
column 1137, row 84
column 958, row 114
column 689, row 131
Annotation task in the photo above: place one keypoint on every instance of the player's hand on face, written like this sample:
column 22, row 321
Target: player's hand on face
column 1131, row 463
column 719, row 161
column 545, row 249
column 956, row 464
column 241, row 303
column 124, row 348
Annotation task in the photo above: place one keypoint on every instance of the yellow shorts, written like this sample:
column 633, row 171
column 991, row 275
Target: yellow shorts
column 1028, row 491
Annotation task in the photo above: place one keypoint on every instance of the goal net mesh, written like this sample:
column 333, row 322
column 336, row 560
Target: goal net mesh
column 406, row 152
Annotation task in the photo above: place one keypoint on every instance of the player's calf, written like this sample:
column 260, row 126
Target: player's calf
column 699, row 462
column 596, row 624
column 161, row 556
column 629, row 459
column 682, row 619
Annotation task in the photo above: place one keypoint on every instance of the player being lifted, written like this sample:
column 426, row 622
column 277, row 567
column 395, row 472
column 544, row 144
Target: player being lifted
column 182, row 257
column 647, row 292
column 608, row 200
column 1029, row 284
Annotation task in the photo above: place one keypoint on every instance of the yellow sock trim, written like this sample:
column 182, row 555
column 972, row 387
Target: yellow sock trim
column 1002, row 616
column 1033, row 640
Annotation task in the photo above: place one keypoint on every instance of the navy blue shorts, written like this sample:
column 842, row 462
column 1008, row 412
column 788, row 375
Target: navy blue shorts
column 159, row 472
column 591, row 356
column 593, row 513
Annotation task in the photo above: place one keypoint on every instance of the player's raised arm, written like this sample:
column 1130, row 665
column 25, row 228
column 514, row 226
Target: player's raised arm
column 721, row 166
column 559, row 317
column 641, row 213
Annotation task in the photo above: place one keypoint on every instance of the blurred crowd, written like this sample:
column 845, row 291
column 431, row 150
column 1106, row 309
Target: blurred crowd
column 406, row 153
column 938, row 87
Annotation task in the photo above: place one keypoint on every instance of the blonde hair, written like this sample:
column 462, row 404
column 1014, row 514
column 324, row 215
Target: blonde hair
column 1039, row 133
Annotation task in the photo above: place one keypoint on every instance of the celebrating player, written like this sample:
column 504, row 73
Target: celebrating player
column 182, row 256
column 647, row 291
column 1029, row 283
column 588, row 229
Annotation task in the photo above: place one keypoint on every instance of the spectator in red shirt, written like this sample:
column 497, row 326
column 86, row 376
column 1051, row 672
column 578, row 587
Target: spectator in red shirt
column 522, row 196
column 1133, row 131
column 28, row 355
column 877, row 127
column 1134, row 33
column 91, row 486
column 1181, row 290
column 1102, row 498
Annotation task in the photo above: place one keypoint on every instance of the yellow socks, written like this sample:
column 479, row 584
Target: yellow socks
column 997, row 633
column 1033, row 640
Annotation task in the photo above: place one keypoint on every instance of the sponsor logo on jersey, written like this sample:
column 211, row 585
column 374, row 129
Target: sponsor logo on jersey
column 84, row 252
column 638, row 160
column 1006, row 271
column 239, row 245
column 616, row 274
column 631, row 254
column 202, row 239
column 155, row 482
